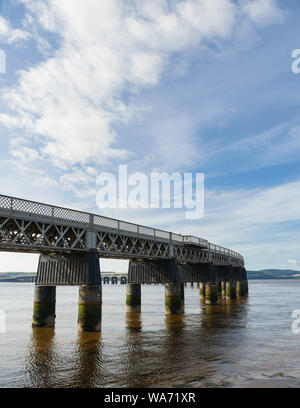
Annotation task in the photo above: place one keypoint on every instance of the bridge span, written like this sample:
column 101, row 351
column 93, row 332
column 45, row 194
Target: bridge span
column 70, row 243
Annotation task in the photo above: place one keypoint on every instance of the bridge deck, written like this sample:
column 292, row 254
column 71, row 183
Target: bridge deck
column 29, row 226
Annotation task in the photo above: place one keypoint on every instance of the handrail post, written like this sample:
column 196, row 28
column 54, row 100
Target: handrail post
column 91, row 221
column 171, row 245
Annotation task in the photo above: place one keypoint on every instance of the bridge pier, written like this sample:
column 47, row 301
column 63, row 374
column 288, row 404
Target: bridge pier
column 182, row 296
column 211, row 293
column 89, row 308
column 133, row 297
column 173, row 298
column 223, row 289
column 231, row 290
column 245, row 280
column 241, row 281
column 202, row 290
column 246, row 287
column 219, row 289
column 44, row 306
column 240, row 288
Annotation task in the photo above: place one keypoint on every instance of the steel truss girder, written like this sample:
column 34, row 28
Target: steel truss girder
column 35, row 235
column 24, row 234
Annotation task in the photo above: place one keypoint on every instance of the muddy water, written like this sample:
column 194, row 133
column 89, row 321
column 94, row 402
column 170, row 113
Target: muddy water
column 243, row 343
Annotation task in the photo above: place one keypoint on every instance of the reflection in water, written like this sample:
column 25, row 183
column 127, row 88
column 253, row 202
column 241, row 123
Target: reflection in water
column 208, row 345
column 133, row 321
column 89, row 360
column 46, row 368
column 41, row 353
column 132, row 356
column 174, row 322
column 225, row 315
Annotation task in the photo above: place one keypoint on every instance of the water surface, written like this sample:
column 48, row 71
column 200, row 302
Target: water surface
column 243, row 343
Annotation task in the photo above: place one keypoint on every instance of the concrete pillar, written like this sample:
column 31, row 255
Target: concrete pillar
column 202, row 290
column 44, row 306
column 173, row 298
column 198, row 285
column 230, row 290
column 89, row 308
column 133, row 297
column 211, row 293
column 182, row 296
column 219, row 289
column 246, row 287
column 241, row 288
column 223, row 288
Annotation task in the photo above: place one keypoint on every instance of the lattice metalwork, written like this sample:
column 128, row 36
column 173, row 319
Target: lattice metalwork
column 31, row 226
column 118, row 245
column 18, row 234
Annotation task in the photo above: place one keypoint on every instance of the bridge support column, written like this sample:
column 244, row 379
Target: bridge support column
column 89, row 308
column 231, row 290
column 223, row 288
column 211, row 293
column 133, row 298
column 44, row 306
column 219, row 289
column 245, row 280
column 182, row 296
column 173, row 298
column 241, row 281
column 202, row 290
column 240, row 288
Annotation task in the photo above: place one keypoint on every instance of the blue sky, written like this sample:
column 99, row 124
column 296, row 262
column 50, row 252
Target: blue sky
column 188, row 86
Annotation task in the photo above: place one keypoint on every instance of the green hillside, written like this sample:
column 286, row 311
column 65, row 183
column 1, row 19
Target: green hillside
column 274, row 274
column 11, row 275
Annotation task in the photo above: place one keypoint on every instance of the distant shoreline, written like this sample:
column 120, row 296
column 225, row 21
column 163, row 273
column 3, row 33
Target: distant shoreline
column 264, row 274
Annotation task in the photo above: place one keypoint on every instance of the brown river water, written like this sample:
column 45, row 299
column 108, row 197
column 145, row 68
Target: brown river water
column 239, row 344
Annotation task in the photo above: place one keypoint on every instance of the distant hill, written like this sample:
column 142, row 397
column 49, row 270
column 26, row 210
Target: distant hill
column 274, row 274
column 11, row 275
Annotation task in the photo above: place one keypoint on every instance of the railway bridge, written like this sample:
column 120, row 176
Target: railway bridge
column 70, row 243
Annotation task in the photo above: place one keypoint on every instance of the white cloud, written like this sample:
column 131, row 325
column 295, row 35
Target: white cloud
column 292, row 261
column 263, row 12
column 72, row 100
column 10, row 35
column 252, row 222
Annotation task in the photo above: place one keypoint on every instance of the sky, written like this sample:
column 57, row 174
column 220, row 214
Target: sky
column 157, row 85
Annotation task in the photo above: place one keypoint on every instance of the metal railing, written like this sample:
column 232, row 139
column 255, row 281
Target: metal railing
column 17, row 206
